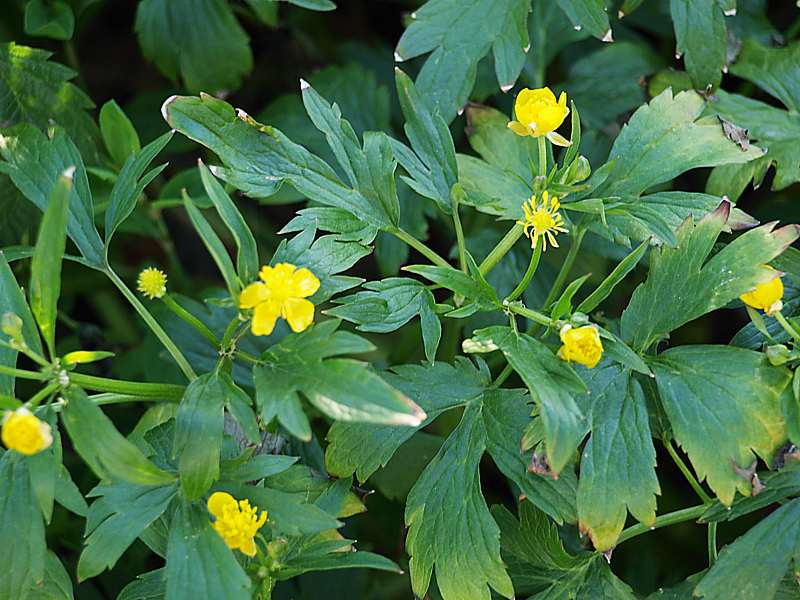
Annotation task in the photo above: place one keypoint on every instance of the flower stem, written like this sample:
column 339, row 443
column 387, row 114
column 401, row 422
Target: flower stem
column 159, row 332
column 532, row 265
column 501, row 249
column 22, row 373
column 504, row 374
column 533, row 315
column 542, row 156
column 787, row 326
column 566, row 266
column 712, row 543
column 184, row 314
column 673, row 518
column 684, row 468
column 462, row 254
column 419, row 246
column 42, row 394
column 161, row 391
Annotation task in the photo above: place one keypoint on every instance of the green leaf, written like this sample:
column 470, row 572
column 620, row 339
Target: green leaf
column 147, row 586
column 625, row 266
column 337, row 560
column 390, row 304
column 343, row 389
column 199, row 564
column 200, row 41
column 772, row 69
column 259, row 467
column 702, row 38
column 44, row 467
column 655, row 309
column 448, row 75
column 198, row 434
column 369, row 169
column 37, row 91
column 464, row 545
column 12, row 301
column 774, row 541
column 21, row 525
column 119, row 134
column 735, row 395
column 57, row 584
column 326, row 218
column 247, row 257
column 432, row 165
column 664, row 139
column 68, row 495
column 46, row 263
column 259, row 158
column 618, row 460
column 472, row 286
column 102, row 447
column 552, row 384
column 35, row 163
column 131, row 182
column 120, row 514
column 590, row 14
column 49, row 18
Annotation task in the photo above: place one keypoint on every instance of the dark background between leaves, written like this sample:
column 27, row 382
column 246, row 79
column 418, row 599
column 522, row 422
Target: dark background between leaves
column 106, row 54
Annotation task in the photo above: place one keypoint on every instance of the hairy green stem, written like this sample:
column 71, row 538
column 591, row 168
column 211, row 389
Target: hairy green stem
column 542, row 156
column 673, row 518
column 419, row 246
column 684, row 468
column 183, row 364
column 184, row 314
column 787, row 326
column 501, row 249
column 532, row 266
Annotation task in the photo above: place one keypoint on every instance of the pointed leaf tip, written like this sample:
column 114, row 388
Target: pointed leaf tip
column 165, row 105
column 304, row 85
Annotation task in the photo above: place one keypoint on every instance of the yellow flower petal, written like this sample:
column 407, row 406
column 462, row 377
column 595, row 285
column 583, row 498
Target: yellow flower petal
column 581, row 345
column 519, row 128
column 304, row 283
column 299, row 313
column 253, row 295
column 24, row 432
column 538, row 111
column 218, row 501
column 766, row 296
column 264, row 317
column 558, row 139
column 248, row 547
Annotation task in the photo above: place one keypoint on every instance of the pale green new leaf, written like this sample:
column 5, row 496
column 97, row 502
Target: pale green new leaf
column 702, row 39
column 724, row 407
column 683, row 285
column 199, row 41
column 458, row 35
column 390, row 304
column 119, row 134
column 463, row 546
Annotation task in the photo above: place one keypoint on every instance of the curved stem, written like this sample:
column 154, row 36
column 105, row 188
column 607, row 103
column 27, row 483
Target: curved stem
column 501, row 249
column 712, row 543
column 462, row 252
column 160, row 391
column 787, row 326
column 112, row 398
column 184, row 314
column 159, row 332
column 532, row 266
column 687, row 473
column 566, row 266
column 419, row 246
column 673, row 518
column 504, row 374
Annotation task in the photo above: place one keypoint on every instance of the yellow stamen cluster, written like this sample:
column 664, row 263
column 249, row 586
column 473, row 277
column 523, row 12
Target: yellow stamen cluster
column 766, row 296
column 236, row 521
column 282, row 292
column 26, row 434
column 581, row 345
column 542, row 220
column 152, row 283
column 539, row 114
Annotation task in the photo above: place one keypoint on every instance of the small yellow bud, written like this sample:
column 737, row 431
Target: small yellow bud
column 236, row 521
column 539, row 114
column 282, row 292
column 152, row 283
column 766, row 296
column 581, row 345
column 26, row 434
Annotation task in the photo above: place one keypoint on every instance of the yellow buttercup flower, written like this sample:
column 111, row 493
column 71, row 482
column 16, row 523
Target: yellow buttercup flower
column 236, row 521
column 282, row 292
column 539, row 114
column 581, row 345
column 152, row 283
column 542, row 220
column 26, row 434
column 766, row 296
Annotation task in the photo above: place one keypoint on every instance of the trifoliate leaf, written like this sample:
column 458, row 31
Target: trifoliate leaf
column 682, row 285
column 327, row 218
column 463, row 546
column 724, row 407
column 390, row 304
column 702, row 40
column 200, row 42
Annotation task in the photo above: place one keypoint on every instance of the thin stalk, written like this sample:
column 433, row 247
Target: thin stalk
column 542, row 156
column 504, row 374
column 419, row 246
column 533, row 315
column 712, row 543
column 42, row 394
column 501, row 249
column 787, row 326
column 536, row 255
column 111, row 398
column 184, row 365
column 687, row 472
column 189, row 318
column 673, row 518
column 22, row 373
column 566, row 266
column 462, row 253
column 160, row 391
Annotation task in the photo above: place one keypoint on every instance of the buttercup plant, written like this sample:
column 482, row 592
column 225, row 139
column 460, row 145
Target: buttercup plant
column 331, row 305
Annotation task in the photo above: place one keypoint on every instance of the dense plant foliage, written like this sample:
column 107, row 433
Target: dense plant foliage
column 496, row 304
